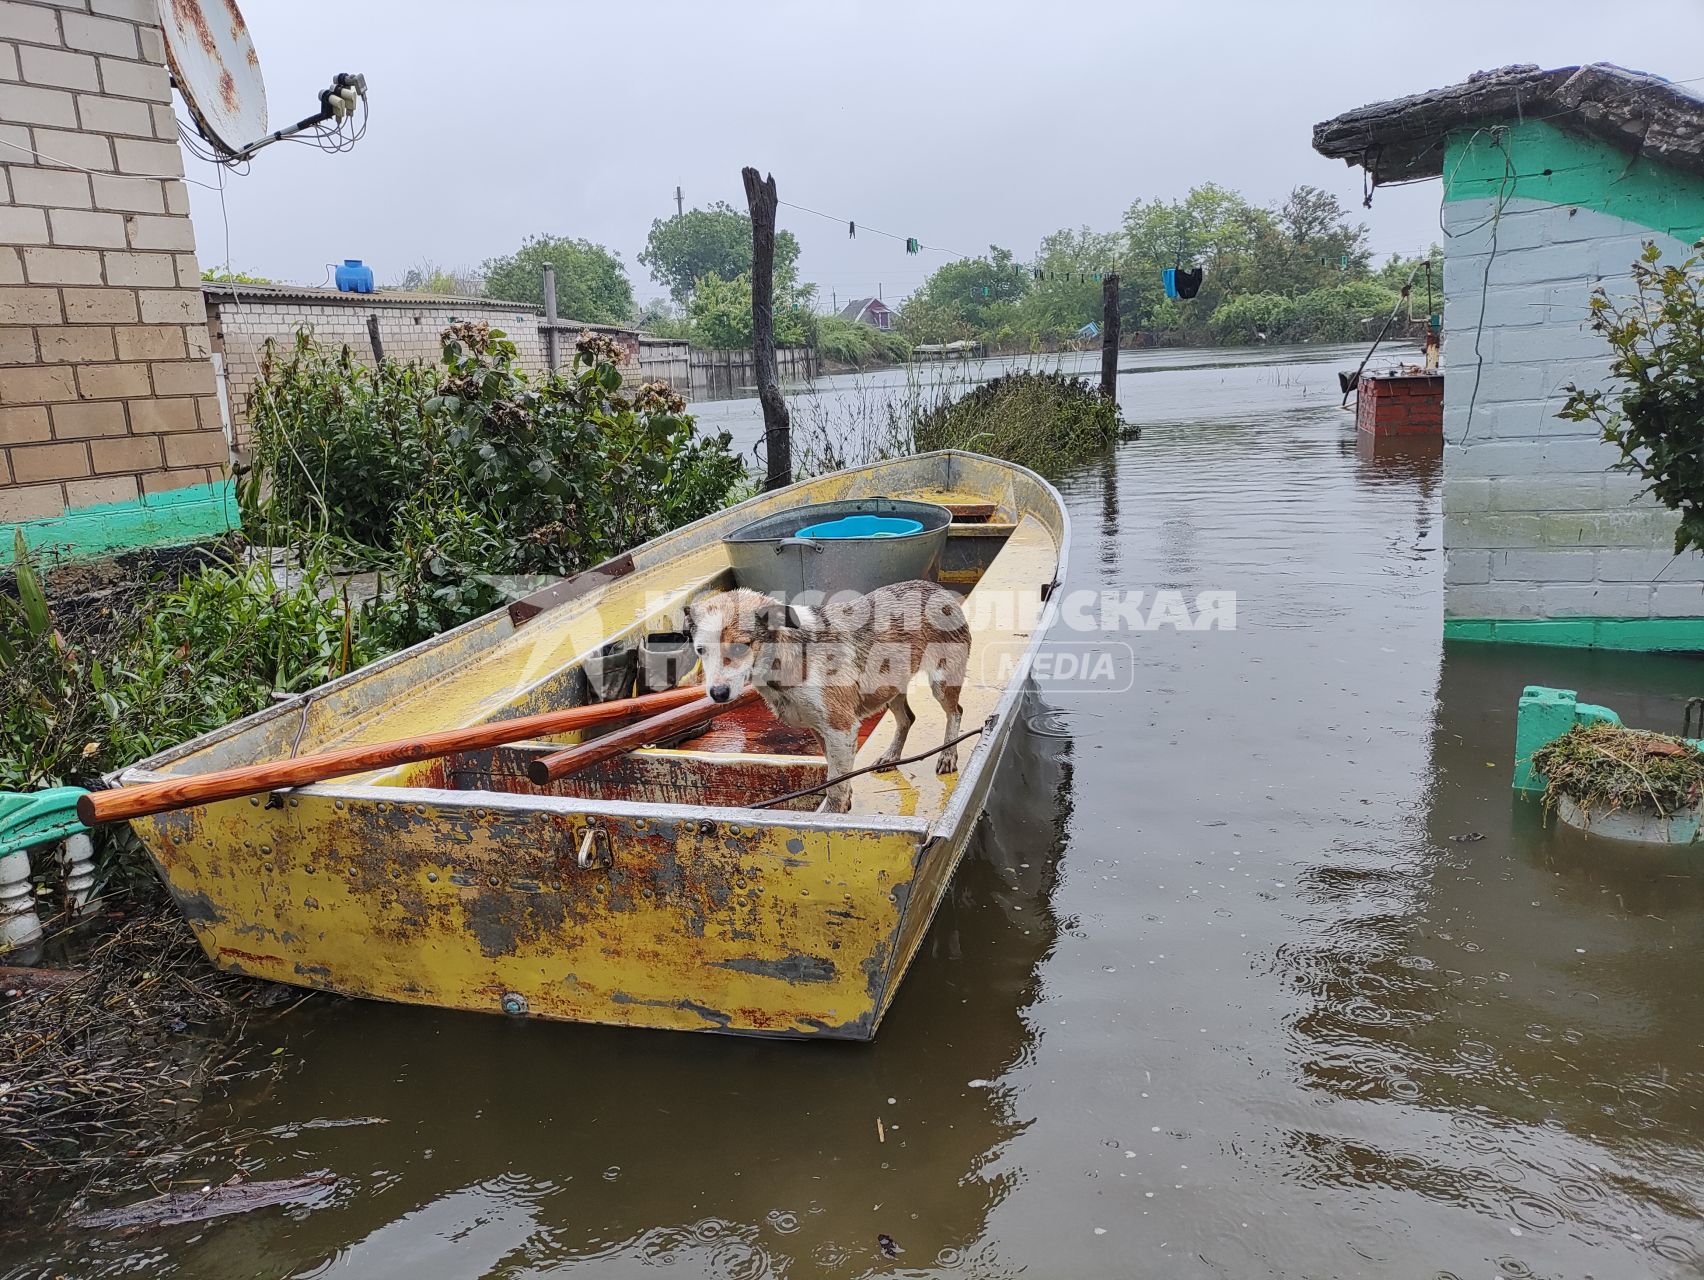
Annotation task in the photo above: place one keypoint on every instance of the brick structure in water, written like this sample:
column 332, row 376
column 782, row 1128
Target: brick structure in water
column 1400, row 404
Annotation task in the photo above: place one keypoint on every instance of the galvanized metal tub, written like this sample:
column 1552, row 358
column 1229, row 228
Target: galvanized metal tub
column 768, row 556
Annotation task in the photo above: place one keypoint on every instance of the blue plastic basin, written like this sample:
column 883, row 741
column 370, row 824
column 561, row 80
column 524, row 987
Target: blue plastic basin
column 862, row 527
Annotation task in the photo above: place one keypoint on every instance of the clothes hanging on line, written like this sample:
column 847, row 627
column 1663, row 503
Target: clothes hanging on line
column 1169, row 275
column 1187, row 283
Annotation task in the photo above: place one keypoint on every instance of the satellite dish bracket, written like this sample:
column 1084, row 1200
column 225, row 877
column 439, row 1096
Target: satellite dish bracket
column 336, row 103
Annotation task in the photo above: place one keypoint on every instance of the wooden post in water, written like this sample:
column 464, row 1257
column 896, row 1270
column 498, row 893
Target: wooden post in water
column 777, row 428
column 552, row 357
column 1109, row 336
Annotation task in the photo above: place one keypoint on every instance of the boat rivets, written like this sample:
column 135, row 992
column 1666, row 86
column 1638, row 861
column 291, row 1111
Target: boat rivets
column 641, row 825
column 644, row 893
column 491, row 880
column 266, row 867
column 396, row 873
column 514, row 1003
column 739, row 882
column 266, row 849
column 707, row 828
column 351, row 873
column 255, row 801
column 420, row 809
column 337, row 804
column 248, row 844
column 294, row 803
column 480, row 814
column 384, row 806
column 804, row 893
column 432, row 877
column 309, row 869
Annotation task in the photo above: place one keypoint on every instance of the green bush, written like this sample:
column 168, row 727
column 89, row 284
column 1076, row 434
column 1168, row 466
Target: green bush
column 1253, row 317
column 855, row 343
column 442, row 479
column 1341, row 313
column 1044, row 420
column 1654, row 401
column 175, row 658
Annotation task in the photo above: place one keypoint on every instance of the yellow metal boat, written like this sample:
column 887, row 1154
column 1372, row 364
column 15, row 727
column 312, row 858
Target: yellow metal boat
column 645, row 892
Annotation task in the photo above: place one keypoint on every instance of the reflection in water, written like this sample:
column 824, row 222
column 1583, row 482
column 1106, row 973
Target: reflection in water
column 1518, row 991
column 512, row 1146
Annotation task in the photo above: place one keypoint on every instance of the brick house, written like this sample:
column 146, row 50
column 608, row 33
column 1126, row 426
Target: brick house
column 111, row 433
column 1553, row 181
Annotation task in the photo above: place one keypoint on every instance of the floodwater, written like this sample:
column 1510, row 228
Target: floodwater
column 1230, row 985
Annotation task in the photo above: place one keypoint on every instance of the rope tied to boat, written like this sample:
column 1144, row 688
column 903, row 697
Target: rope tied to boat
column 872, row 768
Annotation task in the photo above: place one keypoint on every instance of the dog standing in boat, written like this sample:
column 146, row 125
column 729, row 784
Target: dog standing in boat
column 828, row 669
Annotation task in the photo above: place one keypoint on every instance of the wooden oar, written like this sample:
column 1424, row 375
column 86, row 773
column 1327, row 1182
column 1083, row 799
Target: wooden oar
column 246, row 780
column 559, row 764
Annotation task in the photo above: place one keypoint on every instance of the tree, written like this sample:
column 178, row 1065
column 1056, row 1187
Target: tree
column 1212, row 227
column 427, row 276
column 591, row 283
column 1400, row 270
column 975, row 295
column 1309, row 213
column 1067, row 294
column 720, row 311
column 716, row 241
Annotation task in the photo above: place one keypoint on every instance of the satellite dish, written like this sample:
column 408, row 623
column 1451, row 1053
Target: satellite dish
column 217, row 71
column 215, row 68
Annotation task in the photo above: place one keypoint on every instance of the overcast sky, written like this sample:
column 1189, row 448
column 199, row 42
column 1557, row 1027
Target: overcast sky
column 962, row 124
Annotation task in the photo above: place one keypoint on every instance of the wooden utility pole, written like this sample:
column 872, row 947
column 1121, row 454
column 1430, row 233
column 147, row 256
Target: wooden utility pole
column 1109, row 336
column 777, row 428
column 552, row 355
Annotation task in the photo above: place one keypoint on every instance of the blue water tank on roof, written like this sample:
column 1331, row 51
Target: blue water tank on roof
column 352, row 277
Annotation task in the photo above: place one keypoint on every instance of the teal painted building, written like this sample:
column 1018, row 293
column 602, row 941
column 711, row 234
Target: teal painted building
column 1553, row 182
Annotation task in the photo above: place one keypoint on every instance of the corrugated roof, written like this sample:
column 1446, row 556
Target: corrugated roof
column 224, row 290
column 1635, row 112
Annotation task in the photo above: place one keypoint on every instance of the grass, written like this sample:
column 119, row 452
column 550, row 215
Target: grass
column 1040, row 419
column 1608, row 767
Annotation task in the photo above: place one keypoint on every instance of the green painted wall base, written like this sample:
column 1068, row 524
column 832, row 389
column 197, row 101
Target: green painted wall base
column 1643, row 635
column 161, row 519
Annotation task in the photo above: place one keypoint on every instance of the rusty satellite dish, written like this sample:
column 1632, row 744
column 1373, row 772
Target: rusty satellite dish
column 217, row 71
column 215, row 68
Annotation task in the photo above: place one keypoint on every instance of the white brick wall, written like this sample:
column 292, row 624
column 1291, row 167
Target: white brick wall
column 1534, row 524
column 408, row 331
column 106, row 392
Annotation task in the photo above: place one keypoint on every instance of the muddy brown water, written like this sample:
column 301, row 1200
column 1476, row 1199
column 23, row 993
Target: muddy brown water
column 1217, row 993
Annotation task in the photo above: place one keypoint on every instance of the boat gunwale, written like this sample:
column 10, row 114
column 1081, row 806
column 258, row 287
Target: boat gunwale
column 577, row 806
column 948, row 823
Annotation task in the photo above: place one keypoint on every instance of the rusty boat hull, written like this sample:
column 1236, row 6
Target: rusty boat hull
column 645, row 892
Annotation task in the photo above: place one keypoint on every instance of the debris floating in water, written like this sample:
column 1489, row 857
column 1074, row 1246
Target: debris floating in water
column 209, row 1202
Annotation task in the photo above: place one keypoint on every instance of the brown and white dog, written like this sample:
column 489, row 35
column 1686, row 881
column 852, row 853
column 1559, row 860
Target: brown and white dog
column 828, row 669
